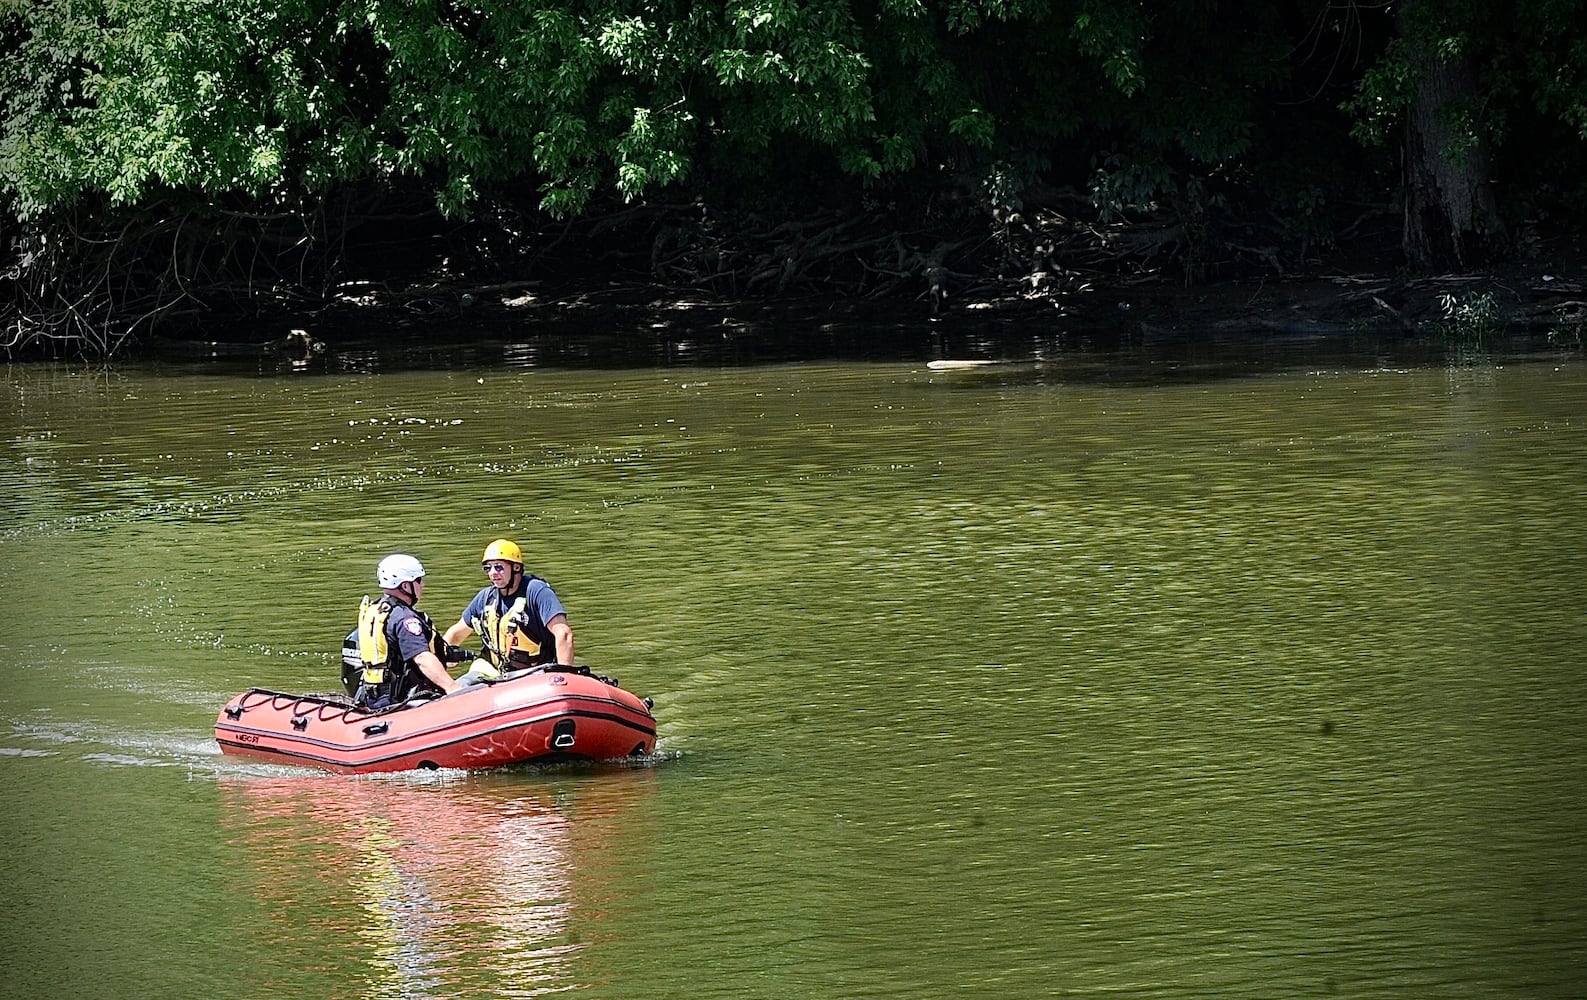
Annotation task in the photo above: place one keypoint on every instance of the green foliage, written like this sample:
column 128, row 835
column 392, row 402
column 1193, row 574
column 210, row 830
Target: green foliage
column 131, row 98
column 1173, row 106
column 1470, row 320
column 1568, row 334
column 261, row 98
column 1532, row 67
column 1112, row 34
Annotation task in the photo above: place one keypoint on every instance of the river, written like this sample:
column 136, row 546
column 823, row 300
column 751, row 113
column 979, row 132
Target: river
column 1090, row 675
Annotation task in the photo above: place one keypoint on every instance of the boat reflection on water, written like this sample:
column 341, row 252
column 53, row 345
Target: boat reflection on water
column 430, row 885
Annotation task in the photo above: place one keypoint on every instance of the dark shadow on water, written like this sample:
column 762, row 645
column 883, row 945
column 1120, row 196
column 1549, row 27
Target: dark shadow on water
column 1123, row 355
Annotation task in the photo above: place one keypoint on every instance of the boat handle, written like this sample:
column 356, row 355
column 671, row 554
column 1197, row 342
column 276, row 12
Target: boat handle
column 300, row 722
column 376, row 729
column 562, row 740
column 234, row 712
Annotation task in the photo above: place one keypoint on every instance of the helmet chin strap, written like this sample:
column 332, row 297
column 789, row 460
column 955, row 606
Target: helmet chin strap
column 512, row 578
column 408, row 590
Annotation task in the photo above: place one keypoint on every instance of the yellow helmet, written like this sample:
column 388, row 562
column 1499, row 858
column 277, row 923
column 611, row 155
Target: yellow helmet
column 504, row 550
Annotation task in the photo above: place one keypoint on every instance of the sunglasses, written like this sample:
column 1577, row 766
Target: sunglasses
column 496, row 567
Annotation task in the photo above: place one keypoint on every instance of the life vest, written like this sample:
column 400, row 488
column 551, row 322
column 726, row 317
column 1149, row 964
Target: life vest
column 384, row 678
column 506, row 635
column 373, row 647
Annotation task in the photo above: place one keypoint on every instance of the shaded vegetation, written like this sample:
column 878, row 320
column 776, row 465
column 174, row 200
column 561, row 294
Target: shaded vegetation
column 172, row 167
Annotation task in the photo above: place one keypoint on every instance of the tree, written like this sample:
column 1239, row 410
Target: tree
column 182, row 147
column 1476, row 94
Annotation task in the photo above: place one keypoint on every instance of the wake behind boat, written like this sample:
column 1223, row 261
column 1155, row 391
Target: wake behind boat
column 544, row 715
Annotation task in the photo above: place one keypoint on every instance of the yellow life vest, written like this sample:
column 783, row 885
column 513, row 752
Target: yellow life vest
column 504, row 635
column 372, row 648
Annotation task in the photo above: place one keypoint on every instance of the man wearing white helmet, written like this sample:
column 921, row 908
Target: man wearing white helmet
column 519, row 617
column 398, row 644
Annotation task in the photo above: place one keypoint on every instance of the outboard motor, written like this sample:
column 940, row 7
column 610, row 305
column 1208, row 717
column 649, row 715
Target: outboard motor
column 352, row 664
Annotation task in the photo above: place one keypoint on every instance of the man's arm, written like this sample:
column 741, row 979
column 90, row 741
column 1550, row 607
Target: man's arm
column 562, row 632
column 432, row 667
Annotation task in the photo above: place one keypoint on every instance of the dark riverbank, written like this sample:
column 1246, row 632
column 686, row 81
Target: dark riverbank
column 603, row 291
column 1541, row 301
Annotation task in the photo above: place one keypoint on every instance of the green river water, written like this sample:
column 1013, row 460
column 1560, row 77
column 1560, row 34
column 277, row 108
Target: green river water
column 1078, row 677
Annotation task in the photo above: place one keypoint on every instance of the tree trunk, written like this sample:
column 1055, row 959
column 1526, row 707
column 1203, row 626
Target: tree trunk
column 1451, row 215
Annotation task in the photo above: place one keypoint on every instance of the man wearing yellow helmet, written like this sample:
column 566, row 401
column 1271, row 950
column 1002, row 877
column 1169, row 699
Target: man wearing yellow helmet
column 518, row 617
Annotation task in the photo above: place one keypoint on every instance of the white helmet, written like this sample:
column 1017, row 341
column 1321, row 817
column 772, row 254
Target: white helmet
column 394, row 571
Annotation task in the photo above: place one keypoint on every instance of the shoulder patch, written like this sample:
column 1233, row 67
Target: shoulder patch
column 414, row 625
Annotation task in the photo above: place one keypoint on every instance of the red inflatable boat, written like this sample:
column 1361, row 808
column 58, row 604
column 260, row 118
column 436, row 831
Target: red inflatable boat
column 541, row 716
